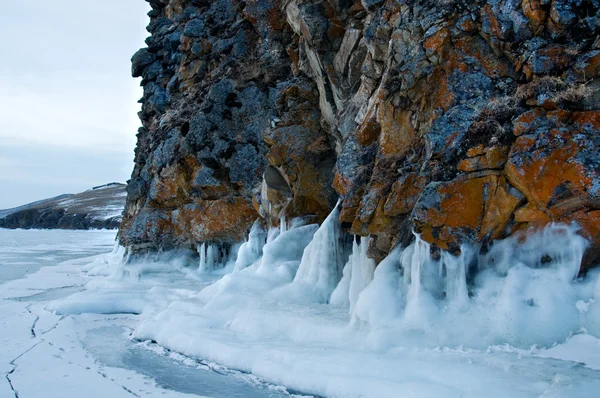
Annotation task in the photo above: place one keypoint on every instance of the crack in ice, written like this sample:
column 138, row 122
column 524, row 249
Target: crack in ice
column 10, row 382
column 37, row 318
column 14, row 365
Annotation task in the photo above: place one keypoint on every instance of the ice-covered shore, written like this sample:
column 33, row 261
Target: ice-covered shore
column 45, row 355
column 298, row 312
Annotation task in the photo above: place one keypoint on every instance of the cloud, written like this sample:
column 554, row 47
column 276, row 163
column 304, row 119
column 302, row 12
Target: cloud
column 33, row 172
column 68, row 105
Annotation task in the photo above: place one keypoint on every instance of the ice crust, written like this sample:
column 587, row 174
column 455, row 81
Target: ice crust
column 470, row 325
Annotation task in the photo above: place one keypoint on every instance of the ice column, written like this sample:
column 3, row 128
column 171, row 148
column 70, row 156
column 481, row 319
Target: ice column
column 210, row 257
column 457, row 294
column 321, row 264
column 282, row 224
column 251, row 250
column 358, row 272
column 418, row 300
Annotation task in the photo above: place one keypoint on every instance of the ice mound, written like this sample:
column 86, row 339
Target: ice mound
column 357, row 274
column 521, row 293
column 287, row 309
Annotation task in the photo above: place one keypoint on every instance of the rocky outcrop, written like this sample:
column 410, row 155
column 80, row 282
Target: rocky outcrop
column 229, row 132
column 97, row 208
column 466, row 121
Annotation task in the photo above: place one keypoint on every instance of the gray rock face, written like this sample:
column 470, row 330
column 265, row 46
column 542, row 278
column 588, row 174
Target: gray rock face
column 217, row 85
column 265, row 108
column 194, row 28
column 140, row 60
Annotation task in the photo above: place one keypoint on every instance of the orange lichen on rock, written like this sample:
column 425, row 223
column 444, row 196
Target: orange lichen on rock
column 499, row 210
column 536, row 13
column 532, row 215
column 539, row 172
column 397, row 132
column 493, row 158
column 525, row 121
column 405, row 193
column 465, row 209
column 435, row 43
column 171, row 187
column 476, row 151
column 556, row 169
column 218, row 220
column 380, row 223
column 476, row 47
column 370, row 130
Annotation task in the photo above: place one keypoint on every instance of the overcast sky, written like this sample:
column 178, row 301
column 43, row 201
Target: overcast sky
column 68, row 104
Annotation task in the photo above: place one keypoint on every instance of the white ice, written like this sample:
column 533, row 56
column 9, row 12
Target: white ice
column 514, row 322
column 357, row 274
column 53, row 350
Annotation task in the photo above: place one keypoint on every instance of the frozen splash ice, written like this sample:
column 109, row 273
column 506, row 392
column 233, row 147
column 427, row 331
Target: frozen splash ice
column 422, row 279
column 251, row 250
column 322, row 261
column 456, row 267
column 558, row 246
column 215, row 256
column 239, row 321
column 282, row 224
column 357, row 274
column 384, row 298
column 285, row 248
column 523, row 291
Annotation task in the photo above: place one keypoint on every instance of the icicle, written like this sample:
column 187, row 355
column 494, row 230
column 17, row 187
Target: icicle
column 383, row 299
column 418, row 300
column 321, row 264
column 457, row 294
column 251, row 250
column 273, row 234
column 116, row 248
column 210, row 258
column 406, row 264
column 357, row 274
column 202, row 263
column 341, row 294
column 282, row 224
column 420, row 256
column 202, row 252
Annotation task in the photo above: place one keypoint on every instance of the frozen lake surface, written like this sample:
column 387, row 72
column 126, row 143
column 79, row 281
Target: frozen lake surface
column 47, row 355
column 76, row 321
column 24, row 252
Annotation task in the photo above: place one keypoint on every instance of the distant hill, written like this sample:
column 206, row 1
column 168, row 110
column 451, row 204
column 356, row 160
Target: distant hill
column 99, row 207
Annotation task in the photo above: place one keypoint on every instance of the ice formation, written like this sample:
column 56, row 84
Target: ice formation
column 518, row 292
column 357, row 274
column 456, row 322
column 286, row 248
column 251, row 250
column 322, row 261
column 216, row 256
column 522, row 290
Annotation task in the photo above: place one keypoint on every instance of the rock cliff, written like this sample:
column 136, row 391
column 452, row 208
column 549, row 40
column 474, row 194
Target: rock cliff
column 465, row 121
column 97, row 208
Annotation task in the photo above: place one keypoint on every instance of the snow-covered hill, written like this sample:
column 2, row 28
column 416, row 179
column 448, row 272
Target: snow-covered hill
column 99, row 207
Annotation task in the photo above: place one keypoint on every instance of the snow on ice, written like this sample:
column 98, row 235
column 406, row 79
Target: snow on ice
column 304, row 307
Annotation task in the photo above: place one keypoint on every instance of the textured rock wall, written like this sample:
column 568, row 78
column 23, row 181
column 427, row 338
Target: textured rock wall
column 463, row 120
